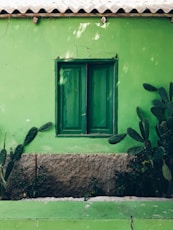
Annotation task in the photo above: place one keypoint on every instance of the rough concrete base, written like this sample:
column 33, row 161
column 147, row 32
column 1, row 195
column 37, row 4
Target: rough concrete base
column 65, row 175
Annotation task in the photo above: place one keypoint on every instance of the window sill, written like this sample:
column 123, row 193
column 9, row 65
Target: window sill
column 94, row 135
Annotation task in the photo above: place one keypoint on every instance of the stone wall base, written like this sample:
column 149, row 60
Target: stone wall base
column 65, row 175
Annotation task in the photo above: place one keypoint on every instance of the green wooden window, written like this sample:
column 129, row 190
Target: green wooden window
column 86, row 97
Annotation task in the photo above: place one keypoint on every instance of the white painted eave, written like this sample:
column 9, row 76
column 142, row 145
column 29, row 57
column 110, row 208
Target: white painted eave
column 62, row 7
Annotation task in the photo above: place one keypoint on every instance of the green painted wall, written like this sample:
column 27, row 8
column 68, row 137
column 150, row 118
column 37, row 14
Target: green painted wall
column 27, row 86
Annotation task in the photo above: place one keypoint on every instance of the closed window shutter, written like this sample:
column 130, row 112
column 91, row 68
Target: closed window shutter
column 100, row 92
column 86, row 98
column 72, row 99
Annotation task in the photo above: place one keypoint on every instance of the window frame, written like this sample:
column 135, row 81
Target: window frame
column 59, row 62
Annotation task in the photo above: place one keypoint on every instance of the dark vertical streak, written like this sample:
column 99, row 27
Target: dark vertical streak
column 131, row 223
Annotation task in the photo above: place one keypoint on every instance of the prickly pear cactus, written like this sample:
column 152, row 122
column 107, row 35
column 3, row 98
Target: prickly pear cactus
column 17, row 153
column 166, row 172
column 8, row 170
column 45, row 127
column 3, row 156
column 30, row 136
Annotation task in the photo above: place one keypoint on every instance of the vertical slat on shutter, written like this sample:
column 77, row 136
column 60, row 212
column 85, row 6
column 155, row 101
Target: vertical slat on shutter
column 71, row 114
column 100, row 104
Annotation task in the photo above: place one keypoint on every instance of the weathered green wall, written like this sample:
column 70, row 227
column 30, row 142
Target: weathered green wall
column 27, row 86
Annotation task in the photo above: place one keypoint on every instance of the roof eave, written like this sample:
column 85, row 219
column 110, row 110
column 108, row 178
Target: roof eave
column 58, row 15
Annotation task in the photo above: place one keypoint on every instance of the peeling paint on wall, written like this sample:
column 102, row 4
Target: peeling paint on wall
column 82, row 28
